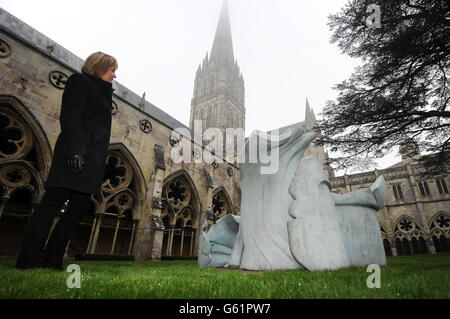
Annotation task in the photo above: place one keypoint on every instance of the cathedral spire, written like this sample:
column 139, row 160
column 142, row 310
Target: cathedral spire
column 310, row 118
column 219, row 92
column 222, row 49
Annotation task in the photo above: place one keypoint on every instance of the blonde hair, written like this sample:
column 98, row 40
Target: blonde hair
column 98, row 63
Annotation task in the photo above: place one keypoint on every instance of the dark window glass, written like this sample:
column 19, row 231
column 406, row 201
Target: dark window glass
column 422, row 191
column 399, row 190
column 427, row 190
column 442, row 186
column 438, row 183
column 394, row 188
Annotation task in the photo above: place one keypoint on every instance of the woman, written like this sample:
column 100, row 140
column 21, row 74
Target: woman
column 78, row 163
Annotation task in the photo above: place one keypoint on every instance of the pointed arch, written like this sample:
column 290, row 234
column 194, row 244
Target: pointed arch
column 440, row 220
column 135, row 179
column 406, row 224
column 180, row 215
column 134, row 163
column 183, row 173
column 122, row 202
column 38, row 144
column 118, row 206
column 25, row 160
column 440, row 231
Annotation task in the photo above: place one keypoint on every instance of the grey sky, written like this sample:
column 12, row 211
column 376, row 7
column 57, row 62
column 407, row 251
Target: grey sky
column 282, row 48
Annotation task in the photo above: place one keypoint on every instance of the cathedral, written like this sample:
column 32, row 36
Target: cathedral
column 415, row 218
column 150, row 206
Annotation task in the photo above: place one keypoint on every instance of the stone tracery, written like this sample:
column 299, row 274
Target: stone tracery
column 409, row 237
column 180, row 217
column 440, row 231
column 221, row 204
column 117, row 208
column 22, row 169
column 16, row 139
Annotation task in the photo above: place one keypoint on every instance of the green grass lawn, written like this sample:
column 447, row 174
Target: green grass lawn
column 419, row 276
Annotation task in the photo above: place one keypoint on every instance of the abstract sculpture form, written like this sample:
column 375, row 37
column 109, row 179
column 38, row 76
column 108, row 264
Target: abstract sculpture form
column 290, row 219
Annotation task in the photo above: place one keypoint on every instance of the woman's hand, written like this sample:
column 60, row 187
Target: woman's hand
column 75, row 163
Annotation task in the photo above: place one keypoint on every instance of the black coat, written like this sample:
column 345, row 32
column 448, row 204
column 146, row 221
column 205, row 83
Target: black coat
column 85, row 121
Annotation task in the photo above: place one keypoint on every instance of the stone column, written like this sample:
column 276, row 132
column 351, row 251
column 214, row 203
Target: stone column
column 135, row 222
column 94, row 223
column 203, row 217
column 182, row 242
column 149, row 236
column 157, row 228
column 430, row 244
column 170, row 241
column 193, row 232
column 97, row 231
column 115, row 234
column 166, row 252
column 3, row 202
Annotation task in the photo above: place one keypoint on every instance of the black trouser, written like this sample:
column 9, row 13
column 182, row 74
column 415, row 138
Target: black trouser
column 34, row 253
